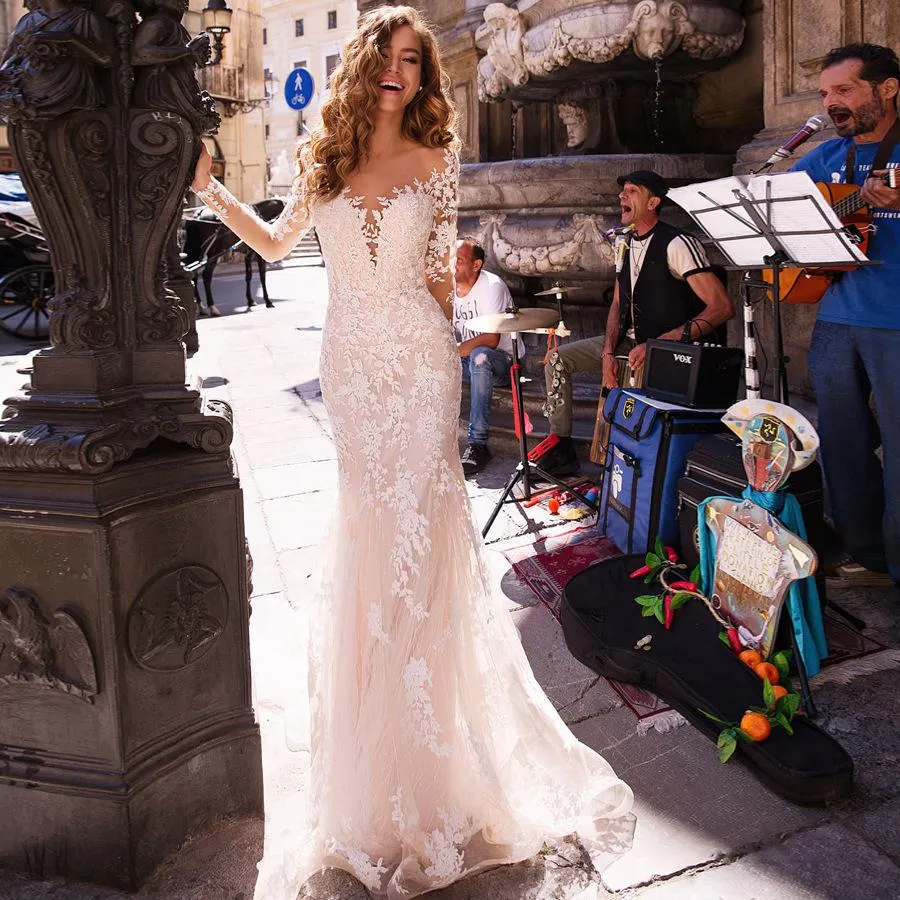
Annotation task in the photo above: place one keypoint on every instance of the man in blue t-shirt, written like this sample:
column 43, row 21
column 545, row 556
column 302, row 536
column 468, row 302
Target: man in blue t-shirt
column 855, row 349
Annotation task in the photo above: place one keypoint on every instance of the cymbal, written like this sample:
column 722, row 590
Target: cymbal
column 560, row 289
column 521, row 320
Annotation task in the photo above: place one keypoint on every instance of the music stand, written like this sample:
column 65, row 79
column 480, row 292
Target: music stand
column 771, row 222
column 527, row 470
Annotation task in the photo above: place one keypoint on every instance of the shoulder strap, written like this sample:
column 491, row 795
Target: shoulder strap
column 882, row 155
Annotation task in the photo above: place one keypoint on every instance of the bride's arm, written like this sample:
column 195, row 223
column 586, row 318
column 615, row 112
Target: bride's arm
column 441, row 253
column 271, row 241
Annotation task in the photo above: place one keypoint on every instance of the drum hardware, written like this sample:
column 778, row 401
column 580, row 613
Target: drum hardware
column 514, row 322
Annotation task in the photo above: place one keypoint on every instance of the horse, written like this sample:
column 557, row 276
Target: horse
column 207, row 238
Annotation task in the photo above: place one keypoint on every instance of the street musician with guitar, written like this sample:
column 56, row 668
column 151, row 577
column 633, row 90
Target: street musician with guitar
column 855, row 348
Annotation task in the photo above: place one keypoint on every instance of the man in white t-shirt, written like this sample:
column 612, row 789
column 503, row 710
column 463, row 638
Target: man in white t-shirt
column 486, row 358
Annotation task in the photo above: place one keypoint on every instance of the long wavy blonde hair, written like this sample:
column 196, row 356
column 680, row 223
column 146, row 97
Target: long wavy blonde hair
column 338, row 145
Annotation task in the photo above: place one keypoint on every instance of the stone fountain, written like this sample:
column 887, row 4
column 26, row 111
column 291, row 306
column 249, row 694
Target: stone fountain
column 568, row 96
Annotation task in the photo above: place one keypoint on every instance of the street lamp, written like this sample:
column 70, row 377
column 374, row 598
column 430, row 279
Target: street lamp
column 216, row 18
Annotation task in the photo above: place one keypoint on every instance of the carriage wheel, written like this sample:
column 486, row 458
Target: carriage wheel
column 24, row 295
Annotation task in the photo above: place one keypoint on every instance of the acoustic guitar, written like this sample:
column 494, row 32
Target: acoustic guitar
column 808, row 285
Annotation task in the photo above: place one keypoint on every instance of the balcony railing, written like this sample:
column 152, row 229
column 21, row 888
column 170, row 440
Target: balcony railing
column 224, row 82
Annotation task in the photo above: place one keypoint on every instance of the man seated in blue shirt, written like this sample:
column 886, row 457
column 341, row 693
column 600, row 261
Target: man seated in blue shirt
column 855, row 349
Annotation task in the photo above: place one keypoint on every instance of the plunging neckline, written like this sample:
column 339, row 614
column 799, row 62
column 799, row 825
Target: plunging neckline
column 372, row 216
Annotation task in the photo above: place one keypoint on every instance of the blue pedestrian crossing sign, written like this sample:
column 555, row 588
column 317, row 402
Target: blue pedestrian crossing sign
column 298, row 89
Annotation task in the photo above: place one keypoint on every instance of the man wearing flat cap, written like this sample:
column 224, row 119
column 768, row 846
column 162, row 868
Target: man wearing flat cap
column 665, row 288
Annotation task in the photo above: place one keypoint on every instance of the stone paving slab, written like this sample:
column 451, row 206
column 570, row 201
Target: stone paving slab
column 828, row 863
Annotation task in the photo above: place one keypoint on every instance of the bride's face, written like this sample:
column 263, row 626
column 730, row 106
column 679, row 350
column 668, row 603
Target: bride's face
column 401, row 76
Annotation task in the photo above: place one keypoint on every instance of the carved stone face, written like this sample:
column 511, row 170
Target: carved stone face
column 575, row 119
column 659, row 28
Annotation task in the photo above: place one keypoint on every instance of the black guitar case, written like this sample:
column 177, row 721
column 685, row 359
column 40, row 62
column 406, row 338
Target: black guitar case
column 691, row 669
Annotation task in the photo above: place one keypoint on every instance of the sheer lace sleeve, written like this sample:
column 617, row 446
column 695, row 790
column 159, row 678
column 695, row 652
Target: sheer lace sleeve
column 441, row 252
column 271, row 240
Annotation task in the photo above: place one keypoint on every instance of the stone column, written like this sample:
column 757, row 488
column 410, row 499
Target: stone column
column 125, row 716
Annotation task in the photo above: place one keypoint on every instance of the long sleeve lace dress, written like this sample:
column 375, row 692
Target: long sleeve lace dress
column 434, row 752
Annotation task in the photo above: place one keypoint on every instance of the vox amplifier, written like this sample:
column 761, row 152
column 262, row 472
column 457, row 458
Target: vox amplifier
column 702, row 376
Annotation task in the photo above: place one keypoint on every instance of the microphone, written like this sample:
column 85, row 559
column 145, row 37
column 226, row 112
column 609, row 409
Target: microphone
column 814, row 124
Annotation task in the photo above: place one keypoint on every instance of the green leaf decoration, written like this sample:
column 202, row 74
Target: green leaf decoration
column 646, row 599
column 723, row 637
column 695, row 575
column 782, row 661
column 659, row 614
column 680, row 598
column 788, row 705
column 659, row 548
column 654, row 561
column 743, row 736
column 726, row 744
column 647, row 611
column 768, row 694
column 762, row 710
column 782, row 720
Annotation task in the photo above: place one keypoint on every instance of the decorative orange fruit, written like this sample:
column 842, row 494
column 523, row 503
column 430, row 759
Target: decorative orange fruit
column 779, row 692
column 750, row 658
column 756, row 726
column 767, row 670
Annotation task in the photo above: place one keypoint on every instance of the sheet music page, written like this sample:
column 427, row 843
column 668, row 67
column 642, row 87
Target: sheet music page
column 801, row 207
column 714, row 207
column 810, row 211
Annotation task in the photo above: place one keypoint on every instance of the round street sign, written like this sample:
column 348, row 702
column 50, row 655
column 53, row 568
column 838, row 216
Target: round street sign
column 298, row 89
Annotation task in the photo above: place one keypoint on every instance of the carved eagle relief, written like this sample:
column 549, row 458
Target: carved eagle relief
column 49, row 653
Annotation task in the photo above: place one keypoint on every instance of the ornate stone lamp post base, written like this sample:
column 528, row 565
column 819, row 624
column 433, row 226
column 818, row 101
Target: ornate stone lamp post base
column 125, row 709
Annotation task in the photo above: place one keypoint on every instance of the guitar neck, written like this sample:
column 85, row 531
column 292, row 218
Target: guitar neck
column 848, row 205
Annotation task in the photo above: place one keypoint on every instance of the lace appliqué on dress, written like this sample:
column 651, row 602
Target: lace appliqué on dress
column 422, row 720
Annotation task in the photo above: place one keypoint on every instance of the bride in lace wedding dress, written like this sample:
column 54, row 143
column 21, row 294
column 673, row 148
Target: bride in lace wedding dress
column 434, row 752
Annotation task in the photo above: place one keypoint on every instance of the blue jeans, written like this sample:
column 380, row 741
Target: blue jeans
column 483, row 368
column 847, row 363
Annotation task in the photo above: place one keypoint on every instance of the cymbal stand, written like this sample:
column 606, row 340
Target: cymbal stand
column 526, row 471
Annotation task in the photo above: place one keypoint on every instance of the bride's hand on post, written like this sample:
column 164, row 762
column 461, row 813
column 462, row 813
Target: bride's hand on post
column 203, row 169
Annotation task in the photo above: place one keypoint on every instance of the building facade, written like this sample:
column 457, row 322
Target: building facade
column 237, row 84
column 299, row 33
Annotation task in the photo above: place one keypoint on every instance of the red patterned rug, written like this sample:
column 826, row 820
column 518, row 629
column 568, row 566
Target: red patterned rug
column 546, row 565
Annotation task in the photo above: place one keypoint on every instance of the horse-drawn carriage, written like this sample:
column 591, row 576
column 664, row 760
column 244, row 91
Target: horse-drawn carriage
column 26, row 276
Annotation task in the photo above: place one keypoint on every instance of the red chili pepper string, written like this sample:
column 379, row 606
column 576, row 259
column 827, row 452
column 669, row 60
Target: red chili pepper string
column 734, row 640
column 639, row 573
column 668, row 612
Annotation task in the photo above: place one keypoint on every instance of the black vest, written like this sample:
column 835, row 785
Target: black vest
column 661, row 301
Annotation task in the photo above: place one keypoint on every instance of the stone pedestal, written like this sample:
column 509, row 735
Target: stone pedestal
column 125, row 717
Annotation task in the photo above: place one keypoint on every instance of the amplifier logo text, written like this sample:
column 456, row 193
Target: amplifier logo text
column 682, row 357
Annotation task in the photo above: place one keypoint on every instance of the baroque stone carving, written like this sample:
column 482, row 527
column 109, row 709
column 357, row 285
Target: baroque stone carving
column 575, row 118
column 177, row 618
column 50, row 67
column 46, row 447
column 165, row 56
column 105, row 119
column 563, row 256
column 37, row 651
column 518, row 48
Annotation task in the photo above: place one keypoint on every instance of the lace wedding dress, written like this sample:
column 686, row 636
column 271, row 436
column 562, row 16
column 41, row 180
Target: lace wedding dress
column 434, row 752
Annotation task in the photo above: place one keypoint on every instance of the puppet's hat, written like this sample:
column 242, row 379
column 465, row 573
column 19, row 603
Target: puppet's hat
column 739, row 416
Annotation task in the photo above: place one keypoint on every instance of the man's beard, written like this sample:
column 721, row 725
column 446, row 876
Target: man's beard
column 863, row 119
